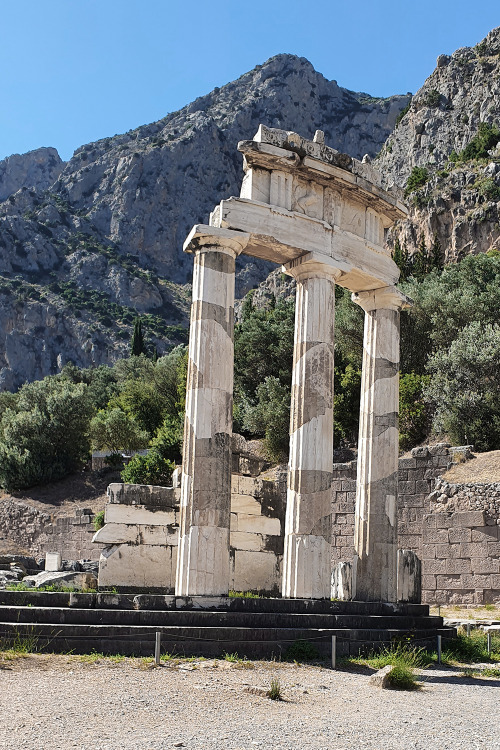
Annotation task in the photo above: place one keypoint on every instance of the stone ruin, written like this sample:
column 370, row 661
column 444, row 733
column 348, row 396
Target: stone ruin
column 323, row 216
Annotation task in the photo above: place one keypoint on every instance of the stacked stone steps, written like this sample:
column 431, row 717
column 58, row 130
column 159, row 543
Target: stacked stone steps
column 256, row 628
column 211, row 618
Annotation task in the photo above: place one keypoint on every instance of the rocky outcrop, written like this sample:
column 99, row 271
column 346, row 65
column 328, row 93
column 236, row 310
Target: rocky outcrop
column 81, row 257
column 37, row 170
column 458, row 203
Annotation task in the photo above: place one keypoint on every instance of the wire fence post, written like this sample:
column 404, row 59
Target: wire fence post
column 488, row 641
column 334, row 651
column 439, row 648
column 157, row 648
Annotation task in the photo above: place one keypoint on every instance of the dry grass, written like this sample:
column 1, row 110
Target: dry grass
column 458, row 612
column 483, row 468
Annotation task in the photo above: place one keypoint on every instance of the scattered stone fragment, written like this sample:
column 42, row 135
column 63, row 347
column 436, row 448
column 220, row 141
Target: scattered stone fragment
column 381, row 678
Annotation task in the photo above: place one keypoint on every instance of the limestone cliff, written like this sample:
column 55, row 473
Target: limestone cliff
column 458, row 198
column 37, row 169
column 80, row 257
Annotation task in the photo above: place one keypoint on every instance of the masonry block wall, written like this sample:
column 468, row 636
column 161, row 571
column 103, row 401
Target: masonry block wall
column 140, row 536
column 31, row 531
column 454, row 529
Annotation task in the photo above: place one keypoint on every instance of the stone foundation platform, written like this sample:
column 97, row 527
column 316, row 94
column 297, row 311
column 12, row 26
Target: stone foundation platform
column 211, row 626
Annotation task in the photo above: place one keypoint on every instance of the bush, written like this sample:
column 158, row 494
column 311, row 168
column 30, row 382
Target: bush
column 46, row 435
column 403, row 112
column 98, row 520
column 418, row 177
column 402, row 678
column 414, row 412
column 270, row 416
column 116, row 431
column 432, row 98
column 465, row 387
column 487, row 138
column 149, row 469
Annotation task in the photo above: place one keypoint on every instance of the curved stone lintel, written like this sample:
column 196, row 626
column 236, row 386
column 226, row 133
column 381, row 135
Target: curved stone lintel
column 203, row 236
column 386, row 297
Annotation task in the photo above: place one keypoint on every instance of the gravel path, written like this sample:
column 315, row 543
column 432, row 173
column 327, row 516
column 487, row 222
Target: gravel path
column 50, row 702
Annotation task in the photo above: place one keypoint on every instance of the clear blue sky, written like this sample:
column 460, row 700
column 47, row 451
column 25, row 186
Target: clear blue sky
column 74, row 71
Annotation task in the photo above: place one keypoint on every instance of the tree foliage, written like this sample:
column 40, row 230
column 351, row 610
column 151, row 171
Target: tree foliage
column 138, row 345
column 116, row 431
column 45, row 435
column 465, row 387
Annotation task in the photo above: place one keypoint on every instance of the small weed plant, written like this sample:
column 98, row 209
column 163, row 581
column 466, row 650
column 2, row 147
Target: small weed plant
column 402, row 677
column 231, row 657
column 399, row 654
column 243, row 595
column 275, row 692
column 471, row 649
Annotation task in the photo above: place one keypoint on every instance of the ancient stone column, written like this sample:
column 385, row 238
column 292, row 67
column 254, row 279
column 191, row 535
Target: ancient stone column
column 203, row 553
column 376, row 520
column 307, row 554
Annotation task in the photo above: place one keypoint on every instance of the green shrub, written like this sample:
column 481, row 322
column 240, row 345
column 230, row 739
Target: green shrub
column 414, row 412
column 465, row 389
column 403, row 112
column 489, row 189
column 470, row 649
column 402, row 678
column 45, row 437
column 486, row 138
column 399, row 654
column 149, row 469
column 432, row 98
column 98, row 520
column 418, row 177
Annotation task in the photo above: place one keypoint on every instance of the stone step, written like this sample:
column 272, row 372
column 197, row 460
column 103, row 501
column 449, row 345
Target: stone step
column 139, row 640
column 208, row 618
column 235, row 604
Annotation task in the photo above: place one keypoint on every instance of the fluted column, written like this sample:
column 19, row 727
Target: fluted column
column 203, row 553
column 376, row 518
column 307, row 553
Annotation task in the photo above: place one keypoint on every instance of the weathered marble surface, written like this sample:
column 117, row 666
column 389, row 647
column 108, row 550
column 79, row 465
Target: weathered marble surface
column 375, row 536
column 307, row 557
column 203, row 559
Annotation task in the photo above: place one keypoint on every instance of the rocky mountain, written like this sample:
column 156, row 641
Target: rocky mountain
column 37, row 170
column 85, row 249
column 445, row 151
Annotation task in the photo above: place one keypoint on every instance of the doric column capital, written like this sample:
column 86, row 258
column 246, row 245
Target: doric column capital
column 385, row 298
column 204, row 237
column 310, row 266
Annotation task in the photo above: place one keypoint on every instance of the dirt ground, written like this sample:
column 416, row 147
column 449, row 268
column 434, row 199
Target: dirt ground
column 483, row 468
column 86, row 489
column 65, row 702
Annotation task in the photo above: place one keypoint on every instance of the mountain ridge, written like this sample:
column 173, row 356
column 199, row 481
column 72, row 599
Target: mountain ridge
column 81, row 258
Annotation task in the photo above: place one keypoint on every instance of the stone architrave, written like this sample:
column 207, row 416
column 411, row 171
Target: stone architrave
column 307, row 552
column 375, row 532
column 205, row 506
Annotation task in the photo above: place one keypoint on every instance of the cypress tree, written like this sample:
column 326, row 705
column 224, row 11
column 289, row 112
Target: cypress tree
column 436, row 256
column 137, row 345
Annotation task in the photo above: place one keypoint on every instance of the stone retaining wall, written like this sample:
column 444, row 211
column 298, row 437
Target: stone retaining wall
column 454, row 529
column 26, row 529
